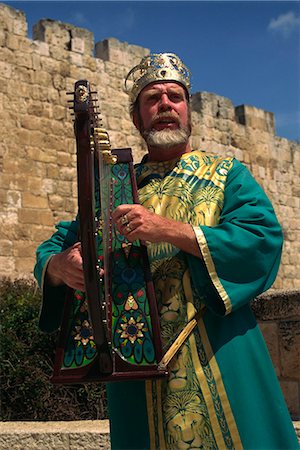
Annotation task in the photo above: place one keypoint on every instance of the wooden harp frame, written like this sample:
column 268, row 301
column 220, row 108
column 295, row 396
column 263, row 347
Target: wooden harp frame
column 114, row 347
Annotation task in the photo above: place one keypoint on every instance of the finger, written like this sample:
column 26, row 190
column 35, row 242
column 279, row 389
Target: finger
column 120, row 211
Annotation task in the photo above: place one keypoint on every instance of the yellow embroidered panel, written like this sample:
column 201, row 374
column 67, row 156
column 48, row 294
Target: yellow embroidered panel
column 189, row 190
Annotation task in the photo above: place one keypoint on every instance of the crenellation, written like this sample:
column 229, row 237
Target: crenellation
column 255, row 118
column 12, row 20
column 38, row 151
column 63, row 35
column 120, row 53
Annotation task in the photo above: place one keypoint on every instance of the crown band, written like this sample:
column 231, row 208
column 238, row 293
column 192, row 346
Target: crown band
column 154, row 68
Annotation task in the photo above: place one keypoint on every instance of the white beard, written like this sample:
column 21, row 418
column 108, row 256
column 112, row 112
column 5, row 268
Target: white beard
column 166, row 138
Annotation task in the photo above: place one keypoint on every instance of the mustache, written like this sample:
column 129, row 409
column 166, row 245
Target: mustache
column 165, row 115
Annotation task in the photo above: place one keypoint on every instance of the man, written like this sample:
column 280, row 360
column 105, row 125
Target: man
column 214, row 244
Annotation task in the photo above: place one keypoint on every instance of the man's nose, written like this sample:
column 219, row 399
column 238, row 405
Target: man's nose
column 164, row 103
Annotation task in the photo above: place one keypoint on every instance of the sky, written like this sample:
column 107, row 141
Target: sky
column 247, row 51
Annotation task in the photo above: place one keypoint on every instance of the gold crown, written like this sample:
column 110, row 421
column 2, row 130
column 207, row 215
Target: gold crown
column 156, row 67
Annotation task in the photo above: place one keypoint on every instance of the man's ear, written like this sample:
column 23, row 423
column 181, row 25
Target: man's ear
column 136, row 119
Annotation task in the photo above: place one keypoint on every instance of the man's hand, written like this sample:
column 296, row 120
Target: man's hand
column 136, row 222
column 66, row 268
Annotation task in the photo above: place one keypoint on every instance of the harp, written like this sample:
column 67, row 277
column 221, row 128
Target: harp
column 111, row 332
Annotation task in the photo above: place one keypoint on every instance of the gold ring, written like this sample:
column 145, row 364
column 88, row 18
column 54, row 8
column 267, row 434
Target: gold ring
column 128, row 228
column 124, row 220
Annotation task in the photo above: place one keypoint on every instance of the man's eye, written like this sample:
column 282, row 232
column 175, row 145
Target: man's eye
column 153, row 98
column 176, row 97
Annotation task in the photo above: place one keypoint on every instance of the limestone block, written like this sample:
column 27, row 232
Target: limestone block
column 67, row 174
column 63, row 158
column 23, row 59
column 77, row 45
column 75, row 60
column 278, row 284
column 60, row 34
column 59, row 82
column 39, row 233
column 6, row 69
column 2, row 37
column 289, row 335
column 296, row 283
column 34, row 201
column 74, row 435
column 63, row 187
column 261, row 172
column 71, row 205
column 41, row 48
column 291, row 393
column 35, row 154
column 277, row 305
column 33, row 216
column 239, row 154
column 7, row 267
column 6, row 247
column 31, row 122
column 11, row 166
column 270, row 334
column 8, row 222
column 15, row 42
column 25, row 249
column 48, row 186
column 120, row 52
column 12, row 20
column 3, row 197
column 49, row 65
column 34, row 442
column 214, row 105
column 255, row 118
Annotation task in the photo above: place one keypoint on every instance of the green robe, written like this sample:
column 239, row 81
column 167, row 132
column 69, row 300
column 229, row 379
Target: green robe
column 222, row 391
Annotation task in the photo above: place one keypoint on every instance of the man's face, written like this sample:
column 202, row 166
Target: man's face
column 164, row 119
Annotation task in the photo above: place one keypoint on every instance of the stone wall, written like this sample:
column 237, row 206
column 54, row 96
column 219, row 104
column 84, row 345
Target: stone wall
column 38, row 180
column 87, row 435
column 278, row 316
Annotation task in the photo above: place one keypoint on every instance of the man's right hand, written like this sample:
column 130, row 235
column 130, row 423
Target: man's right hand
column 66, row 268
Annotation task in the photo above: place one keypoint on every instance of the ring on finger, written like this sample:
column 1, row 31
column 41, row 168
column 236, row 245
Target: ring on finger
column 128, row 228
column 124, row 220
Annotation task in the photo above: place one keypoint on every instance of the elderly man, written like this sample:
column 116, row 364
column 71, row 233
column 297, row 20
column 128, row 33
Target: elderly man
column 214, row 244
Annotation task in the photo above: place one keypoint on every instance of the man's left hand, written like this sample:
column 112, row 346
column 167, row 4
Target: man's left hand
column 136, row 222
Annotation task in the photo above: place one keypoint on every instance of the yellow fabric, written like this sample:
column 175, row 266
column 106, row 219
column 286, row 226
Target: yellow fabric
column 189, row 415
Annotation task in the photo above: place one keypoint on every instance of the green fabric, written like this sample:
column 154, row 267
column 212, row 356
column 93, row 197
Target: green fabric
column 128, row 415
column 53, row 297
column 244, row 244
column 251, row 384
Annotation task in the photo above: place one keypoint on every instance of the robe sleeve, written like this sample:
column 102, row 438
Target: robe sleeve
column 241, row 255
column 53, row 297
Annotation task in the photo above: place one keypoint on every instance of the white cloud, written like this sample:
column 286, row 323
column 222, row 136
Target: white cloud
column 285, row 24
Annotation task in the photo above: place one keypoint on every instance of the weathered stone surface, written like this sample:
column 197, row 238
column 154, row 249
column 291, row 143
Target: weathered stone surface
column 289, row 338
column 89, row 435
column 270, row 334
column 77, row 435
column 291, row 392
column 281, row 305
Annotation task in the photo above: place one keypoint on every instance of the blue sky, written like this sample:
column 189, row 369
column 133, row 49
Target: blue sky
column 247, row 51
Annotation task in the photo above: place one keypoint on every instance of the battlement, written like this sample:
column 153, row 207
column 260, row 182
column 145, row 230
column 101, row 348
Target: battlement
column 37, row 154
column 79, row 40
